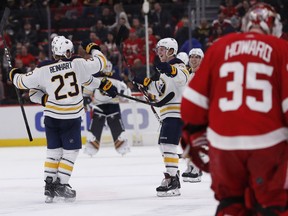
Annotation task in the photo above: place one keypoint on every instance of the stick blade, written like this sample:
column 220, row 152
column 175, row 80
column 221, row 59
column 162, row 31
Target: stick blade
column 165, row 100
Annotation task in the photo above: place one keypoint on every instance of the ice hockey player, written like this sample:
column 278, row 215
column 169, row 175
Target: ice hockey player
column 56, row 84
column 172, row 76
column 106, row 110
column 238, row 101
column 193, row 173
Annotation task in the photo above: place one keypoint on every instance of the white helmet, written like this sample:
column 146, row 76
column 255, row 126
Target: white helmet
column 183, row 57
column 61, row 45
column 264, row 16
column 108, row 68
column 168, row 43
column 196, row 51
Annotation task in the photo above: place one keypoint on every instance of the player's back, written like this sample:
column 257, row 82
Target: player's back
column 62, row 81
column 246, row 89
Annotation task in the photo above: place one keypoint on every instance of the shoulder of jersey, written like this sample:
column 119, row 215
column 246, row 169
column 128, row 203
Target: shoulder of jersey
column 175, row 61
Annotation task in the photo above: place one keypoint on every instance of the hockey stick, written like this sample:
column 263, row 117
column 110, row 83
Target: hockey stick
column 8, row 58
column 119, row 38
column 161, row 103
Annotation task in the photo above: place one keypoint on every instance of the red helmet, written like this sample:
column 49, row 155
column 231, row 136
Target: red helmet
column 264, row 16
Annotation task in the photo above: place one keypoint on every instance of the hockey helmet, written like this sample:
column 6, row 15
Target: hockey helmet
column 61, row 45
column 183, row 57
column 196, row 51
column 168, row 43
column 264, row 16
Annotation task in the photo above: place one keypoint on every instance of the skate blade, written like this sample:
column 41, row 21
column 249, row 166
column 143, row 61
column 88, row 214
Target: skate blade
column 48, row 199
column 191, row 180
column 170, row 193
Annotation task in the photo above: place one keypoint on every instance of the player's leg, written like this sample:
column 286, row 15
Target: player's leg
column 117, row 129
column 230, row 180
column 70, row 133
column 169, row 138
column 268, row 168
column 94, row 133
column 53, row 156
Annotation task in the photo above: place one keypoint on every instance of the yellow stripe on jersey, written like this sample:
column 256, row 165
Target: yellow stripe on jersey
column 104, row 60
column 169, row 108
column 66, row 167
column 171, row 160
column 59, row 108
column 51, row 165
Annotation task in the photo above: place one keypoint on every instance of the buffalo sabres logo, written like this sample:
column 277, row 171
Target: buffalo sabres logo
column 160, row 86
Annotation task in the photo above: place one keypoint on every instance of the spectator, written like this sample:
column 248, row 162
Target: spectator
column 113, row 52
column 203, row 32
column 100, row 30
column 25, row 56
column 107, row 17
column 139, row 28
column 28, row 36
column 160, row 20
column 74, row 9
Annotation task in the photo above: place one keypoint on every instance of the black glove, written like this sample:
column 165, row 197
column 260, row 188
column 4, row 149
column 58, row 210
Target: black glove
column 164, row 67
column 145, row 81
column 14, row 71
column 107, row 86
column 88, row 46
column 87, row 100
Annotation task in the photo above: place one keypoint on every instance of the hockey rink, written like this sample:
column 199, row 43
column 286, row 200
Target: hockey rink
column 106, row 185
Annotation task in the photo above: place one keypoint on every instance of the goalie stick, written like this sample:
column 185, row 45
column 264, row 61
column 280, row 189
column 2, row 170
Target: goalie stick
column 8, row 58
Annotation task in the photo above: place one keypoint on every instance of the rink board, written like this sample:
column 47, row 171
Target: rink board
column 140, row 123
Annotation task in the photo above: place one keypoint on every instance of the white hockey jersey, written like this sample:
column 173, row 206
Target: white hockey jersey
column 166, row 84
column 62, row 81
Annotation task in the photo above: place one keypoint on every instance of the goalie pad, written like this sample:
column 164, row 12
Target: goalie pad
column 92, row 145
column 121, row 144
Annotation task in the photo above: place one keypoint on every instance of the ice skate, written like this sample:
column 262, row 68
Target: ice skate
column 91, row 148
column 49, row 189
column 170, row 186
column 192, row 174
column 122, row 146
column 64, row 192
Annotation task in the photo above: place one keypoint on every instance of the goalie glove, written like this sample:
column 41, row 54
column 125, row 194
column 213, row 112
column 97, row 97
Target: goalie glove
column 164, row 67
column 107, row 86
column 195, row 146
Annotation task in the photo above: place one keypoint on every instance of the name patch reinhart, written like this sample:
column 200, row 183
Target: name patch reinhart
column 63, row 66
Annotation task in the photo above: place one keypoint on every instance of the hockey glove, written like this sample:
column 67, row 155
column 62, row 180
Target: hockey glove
column 145, row 81
column 107, row 86
column 88, row 46
column 164, row 67
column 14, row 71
column 195, row 146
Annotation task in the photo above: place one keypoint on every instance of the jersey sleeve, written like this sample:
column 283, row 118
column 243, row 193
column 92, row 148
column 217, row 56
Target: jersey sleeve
column 28, row 80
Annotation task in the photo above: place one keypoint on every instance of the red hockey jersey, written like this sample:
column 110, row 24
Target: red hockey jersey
column 241, row 92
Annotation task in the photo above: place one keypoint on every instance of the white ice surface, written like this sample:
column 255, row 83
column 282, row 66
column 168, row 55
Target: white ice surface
column 107, row 185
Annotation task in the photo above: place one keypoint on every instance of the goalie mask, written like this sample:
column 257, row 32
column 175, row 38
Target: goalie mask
column 62, row 46
column 264, row 16
column 168, row 43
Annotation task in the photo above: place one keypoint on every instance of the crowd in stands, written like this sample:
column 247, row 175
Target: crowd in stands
column 33, row 23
